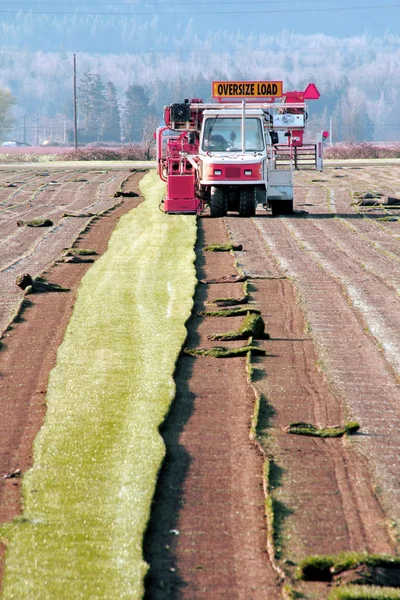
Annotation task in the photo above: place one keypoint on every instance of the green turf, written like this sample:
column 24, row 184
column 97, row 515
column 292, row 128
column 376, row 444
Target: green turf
column 323, row 567
column 363, row 592
column 301, row 428
column 96, row 460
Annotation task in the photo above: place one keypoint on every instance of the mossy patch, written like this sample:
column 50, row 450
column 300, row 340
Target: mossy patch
column 223, row 248
column 81, row 215
column 222, row 352
column 36, row 223
column 229, row 301
column 233, row 312
column 324, row 567
column 80, row 252
column 368, row 199
column 252, row 326
column 301, row 428
column 88, row 495
column 235, row 278
column 122, row 194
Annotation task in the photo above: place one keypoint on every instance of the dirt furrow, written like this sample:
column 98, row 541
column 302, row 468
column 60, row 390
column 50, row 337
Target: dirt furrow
column 324, row 491
column 383, row 237
column 372, row 297
column 207, row 536
column 355, row 367
column 33, row 249
column 51, row 199
column 366, row 247
column 26, row 193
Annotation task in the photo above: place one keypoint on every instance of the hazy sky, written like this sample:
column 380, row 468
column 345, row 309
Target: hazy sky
column 56, row 22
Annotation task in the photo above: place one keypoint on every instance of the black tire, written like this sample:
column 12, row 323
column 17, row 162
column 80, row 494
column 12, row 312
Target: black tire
column 247, row 202
column 282, row 207
column 218, row 202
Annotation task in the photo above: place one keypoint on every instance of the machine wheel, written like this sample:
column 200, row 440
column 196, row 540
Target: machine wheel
column 247, row 202
column 282, row 207
column 218, row 202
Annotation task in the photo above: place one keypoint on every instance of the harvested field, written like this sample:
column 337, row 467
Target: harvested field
column 326, row 281
column 34, row 194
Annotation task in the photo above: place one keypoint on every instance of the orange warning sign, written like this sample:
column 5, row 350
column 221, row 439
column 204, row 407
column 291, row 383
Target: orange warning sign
column 246, row 89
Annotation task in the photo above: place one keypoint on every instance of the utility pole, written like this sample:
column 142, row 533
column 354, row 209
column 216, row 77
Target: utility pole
column 330, row 131
column 37, row 130
column 75, row 112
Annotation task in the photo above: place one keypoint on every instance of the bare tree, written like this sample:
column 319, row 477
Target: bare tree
column 150, row 124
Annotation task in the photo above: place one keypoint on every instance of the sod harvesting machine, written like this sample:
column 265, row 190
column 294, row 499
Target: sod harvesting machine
column 237, row 152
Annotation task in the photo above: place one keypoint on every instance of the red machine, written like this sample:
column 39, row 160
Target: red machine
column 238, row 151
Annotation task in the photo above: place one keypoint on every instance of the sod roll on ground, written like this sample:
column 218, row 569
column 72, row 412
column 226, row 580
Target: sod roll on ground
column 87, row 498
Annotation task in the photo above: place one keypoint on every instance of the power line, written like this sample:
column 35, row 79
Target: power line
column 196, row 12
column 165, row 4
column 174, row 52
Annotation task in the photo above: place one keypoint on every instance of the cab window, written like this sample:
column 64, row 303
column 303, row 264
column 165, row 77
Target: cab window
column 223, row 134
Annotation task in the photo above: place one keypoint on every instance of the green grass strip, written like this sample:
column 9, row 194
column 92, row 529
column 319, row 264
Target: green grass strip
column 87, row 498
column 363, row 592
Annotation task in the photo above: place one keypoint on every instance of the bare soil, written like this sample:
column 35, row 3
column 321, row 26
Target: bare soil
column 207, row 535
column 326, row 281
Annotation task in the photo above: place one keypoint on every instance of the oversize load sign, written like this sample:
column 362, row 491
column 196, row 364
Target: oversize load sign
column 246, row 89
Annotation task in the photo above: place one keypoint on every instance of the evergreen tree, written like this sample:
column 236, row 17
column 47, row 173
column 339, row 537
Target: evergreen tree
column 112, row 121
column 100, row 107
column 91, row 104
column 85, row 102
column 135, row 111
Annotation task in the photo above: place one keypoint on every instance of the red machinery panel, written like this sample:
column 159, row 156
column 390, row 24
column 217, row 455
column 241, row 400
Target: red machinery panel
column 185, row 205
column 181, row 197
column 180, row 186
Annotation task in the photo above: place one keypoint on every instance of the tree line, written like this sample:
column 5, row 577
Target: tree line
column 102, row 119
column 358, row 78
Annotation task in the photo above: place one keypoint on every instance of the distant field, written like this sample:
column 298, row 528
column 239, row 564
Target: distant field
column 340, row 151
column 35, row 150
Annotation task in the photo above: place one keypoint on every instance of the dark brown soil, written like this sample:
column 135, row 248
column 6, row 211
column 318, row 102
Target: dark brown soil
column 327, row 289
column 207, row 536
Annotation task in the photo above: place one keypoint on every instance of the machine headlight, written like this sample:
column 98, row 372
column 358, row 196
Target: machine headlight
column 217, row 172
column 248, row 172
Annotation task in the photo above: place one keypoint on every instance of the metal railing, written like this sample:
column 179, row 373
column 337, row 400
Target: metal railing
column 301, row 157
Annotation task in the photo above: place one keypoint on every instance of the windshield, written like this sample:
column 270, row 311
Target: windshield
column 223, row 134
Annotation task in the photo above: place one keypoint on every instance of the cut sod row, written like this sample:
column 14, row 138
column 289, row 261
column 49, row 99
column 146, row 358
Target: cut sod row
column 87, row 498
